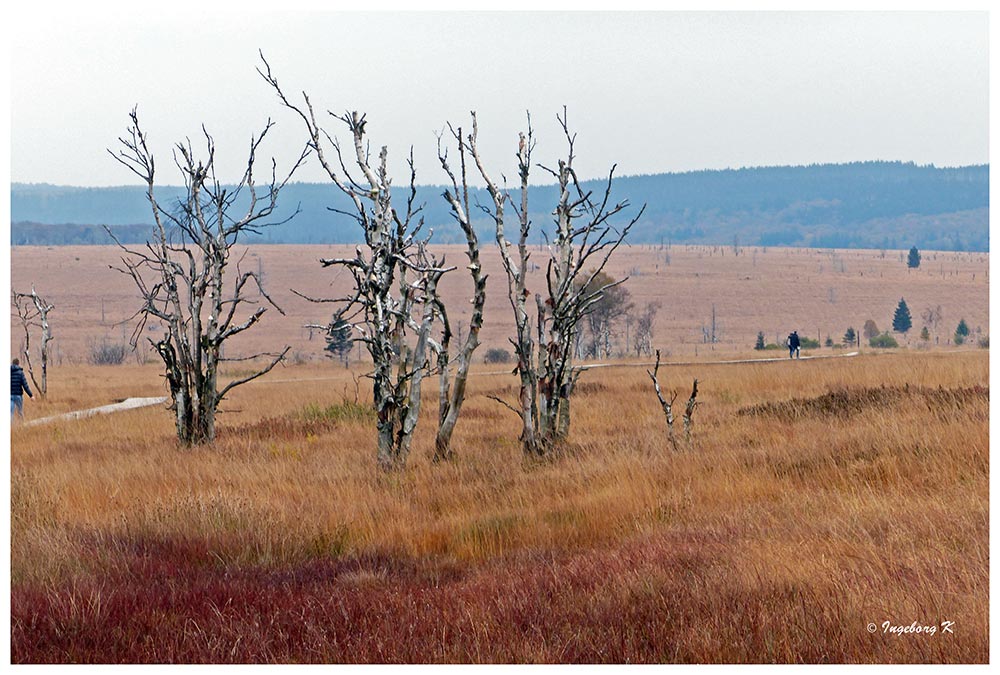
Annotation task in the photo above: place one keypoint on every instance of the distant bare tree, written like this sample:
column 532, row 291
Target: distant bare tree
column 182, row 274
column 614, row 304
column 932, row 316
column 394, row 302
column 33, row 312
column 643, row 337
column 584, row 239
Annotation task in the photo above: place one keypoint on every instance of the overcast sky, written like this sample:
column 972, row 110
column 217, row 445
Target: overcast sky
column 653, row 92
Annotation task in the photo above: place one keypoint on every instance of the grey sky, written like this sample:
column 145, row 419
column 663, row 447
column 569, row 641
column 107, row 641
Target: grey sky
column 652, row 91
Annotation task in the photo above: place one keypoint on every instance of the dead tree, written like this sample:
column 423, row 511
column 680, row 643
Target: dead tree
column 33, row 312
column 689, row 413
column 452, row 391
column 183, row 274
column 667, row 406
column 394, row 301
column 664, row 403
column 643, row 339
column 584, row 239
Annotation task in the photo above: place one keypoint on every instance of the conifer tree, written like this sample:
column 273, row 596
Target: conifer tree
column 961, row 332
column 902, row 322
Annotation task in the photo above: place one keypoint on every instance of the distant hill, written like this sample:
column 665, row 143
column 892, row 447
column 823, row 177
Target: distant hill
column 857, row 205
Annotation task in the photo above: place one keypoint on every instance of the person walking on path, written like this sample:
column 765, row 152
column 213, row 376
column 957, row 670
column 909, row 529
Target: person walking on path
column 18, row 388
column 794, row 346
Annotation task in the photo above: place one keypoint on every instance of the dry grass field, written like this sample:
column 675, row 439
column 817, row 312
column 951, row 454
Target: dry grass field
column 821, row 505
column 818, row 497
column 774, row 290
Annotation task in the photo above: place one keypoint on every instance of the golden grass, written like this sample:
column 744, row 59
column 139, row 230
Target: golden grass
column 881, row 515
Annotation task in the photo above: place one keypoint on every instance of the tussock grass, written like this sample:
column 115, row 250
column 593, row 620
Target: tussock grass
column 774, row 537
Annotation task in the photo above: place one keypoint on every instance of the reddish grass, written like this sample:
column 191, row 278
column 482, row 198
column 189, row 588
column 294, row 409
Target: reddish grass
column 672, row 597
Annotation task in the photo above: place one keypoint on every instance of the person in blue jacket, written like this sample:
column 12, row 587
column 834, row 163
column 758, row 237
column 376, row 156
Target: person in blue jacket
column 794, row 345
column 18, row 388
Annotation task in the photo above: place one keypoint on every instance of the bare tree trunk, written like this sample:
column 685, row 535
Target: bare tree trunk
column 689, row 413
column 452, row 395
column 547, row 374
column 383, row 305
column 189, row 265
column 33, row 311
column 516, row 270
column 664, row 403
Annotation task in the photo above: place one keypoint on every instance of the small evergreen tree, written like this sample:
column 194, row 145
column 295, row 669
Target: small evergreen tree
column 925, row 334
column 902, row 321
column 961, row 332
column 761, row 345
column 850, row 337
column 913, row 261
column 829, row 341
column 338, row 339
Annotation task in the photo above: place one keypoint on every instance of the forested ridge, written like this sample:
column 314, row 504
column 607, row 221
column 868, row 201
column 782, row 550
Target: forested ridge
column 856, row 205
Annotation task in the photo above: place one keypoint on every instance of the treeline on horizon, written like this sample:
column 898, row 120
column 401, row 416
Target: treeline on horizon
column 875, row 204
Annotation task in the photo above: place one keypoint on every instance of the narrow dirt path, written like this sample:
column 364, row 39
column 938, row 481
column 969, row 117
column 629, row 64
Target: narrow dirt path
column 132, row 403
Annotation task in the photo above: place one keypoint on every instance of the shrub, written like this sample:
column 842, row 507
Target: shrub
column 107, row 353
column 984, row 342
column 497, row 355
column 808, row 343
column 345, row 411
column 883, row 341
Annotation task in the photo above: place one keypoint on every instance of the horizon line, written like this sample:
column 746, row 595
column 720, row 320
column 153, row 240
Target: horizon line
column 913, row 163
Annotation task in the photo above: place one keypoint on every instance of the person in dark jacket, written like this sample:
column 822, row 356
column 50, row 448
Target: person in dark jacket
column 794, row 345
column 18, row 388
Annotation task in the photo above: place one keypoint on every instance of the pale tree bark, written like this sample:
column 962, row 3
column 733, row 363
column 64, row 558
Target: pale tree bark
column 452, row 391
column 516, row 267
column 666, row 405
column 394, row 302
column 183, row 273
column 692, row 403
column 33, row 312
column 583, row 241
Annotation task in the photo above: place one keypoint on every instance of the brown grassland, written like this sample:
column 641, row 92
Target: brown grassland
column 817, row 496
column 774, row 290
